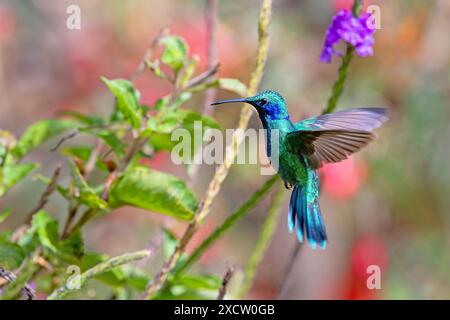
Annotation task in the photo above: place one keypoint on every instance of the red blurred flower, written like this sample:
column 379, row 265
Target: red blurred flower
column 7, row 23
column 342, row 180
column 368, row 250
column 347, row 4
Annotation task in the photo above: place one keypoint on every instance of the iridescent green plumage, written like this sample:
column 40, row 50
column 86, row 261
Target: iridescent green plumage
column 301, row 148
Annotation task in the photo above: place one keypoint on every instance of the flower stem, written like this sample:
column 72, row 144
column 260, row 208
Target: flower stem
column 227, row 224
column 338, row 86
column 263, row 242
column 230, row 153
column 99, row 269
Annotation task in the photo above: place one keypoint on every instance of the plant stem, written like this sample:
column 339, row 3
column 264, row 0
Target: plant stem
column 338, row 86
column 45, row 196
column 226, row 279
column 99, row 269
column 211, row 28
column 227, row 224
column 289, row 266
column 230, row 154
column 267, row 231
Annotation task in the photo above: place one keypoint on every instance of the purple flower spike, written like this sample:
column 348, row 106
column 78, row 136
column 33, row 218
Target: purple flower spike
column 356, row 31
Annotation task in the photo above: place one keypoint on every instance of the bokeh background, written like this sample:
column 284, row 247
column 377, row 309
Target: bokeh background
column 388, row 205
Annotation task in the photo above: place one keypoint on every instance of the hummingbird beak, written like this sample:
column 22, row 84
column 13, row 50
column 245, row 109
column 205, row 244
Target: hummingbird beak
column 229, row 101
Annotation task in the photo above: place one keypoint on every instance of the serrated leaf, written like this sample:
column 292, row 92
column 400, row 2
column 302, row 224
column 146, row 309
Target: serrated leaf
column 45, row 227
column 155, row 191
column 161, row 140
column 233, row 85
column 41, row 131
column 87, row 195
column 12, row 174
column 11, row 255
column 127, row 100
column 175, row 52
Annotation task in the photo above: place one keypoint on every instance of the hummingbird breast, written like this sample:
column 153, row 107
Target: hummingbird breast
column 290, row 166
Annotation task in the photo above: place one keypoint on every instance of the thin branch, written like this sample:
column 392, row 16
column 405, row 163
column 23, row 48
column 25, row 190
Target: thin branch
column 289, row 268
column 211, row 28
column 99, row 269
column 202, row 77
column 92, row 161
column 148, row 54
column 262, row 244
column 231, row 221
column 231, row 152
column 45, row 196
column 226, row 279
column 73, row 209
column 66, row 137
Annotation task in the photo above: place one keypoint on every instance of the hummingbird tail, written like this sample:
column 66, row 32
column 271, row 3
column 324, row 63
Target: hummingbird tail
column 305, row 212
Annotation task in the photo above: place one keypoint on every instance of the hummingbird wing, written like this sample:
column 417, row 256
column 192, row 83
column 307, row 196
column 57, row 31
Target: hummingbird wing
column 333, row 137
column 357, row 119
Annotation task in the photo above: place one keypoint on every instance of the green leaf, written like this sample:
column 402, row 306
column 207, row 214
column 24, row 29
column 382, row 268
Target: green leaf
column 196, row 287
column 175, row 52
column 81, row 152
column 117, row 277
column 85, row 119
column 188, row 71
column 112, row 141
column 127, row 100
column 11, row 255
column 233, row 85
column 178, row 118
column 86, row 195
column 153, row 190
column 72, row 248
column 5, row 214
column 12, row 174
column 41, row 131
column 169, row 244
column 203, row 281
column 45, row 227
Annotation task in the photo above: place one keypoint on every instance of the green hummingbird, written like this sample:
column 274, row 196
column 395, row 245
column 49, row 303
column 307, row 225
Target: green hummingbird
column 304, row 146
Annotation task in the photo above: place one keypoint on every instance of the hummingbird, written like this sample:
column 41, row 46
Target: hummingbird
column 303, row 147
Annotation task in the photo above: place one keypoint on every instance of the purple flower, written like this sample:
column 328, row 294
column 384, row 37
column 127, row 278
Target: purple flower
column 356, row 31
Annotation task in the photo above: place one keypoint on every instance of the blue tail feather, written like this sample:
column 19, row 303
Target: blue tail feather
column 305, row 212
column 292, row 210
column 299, row 214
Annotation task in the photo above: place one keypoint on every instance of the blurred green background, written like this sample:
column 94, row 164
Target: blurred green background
column 388, row 205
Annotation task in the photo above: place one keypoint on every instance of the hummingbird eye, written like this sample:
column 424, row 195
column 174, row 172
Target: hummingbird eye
column 263, row 101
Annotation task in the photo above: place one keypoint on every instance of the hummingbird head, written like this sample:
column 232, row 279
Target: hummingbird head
column 269, row 104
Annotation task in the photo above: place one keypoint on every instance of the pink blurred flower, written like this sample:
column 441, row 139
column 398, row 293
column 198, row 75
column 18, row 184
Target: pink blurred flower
column 342, row 180
column 347, row 4
column 367, row 250
column 7, row 23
